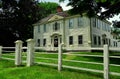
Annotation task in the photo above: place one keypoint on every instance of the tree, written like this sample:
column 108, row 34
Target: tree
column 17, row 17
column 116, row 30
column 49, row 8
column 93, row 7
column 116, row 24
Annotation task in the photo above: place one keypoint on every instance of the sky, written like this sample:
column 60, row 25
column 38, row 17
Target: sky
column 63, row 4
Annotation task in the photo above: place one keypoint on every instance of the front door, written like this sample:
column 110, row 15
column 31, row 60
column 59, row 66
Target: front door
column 55, row 41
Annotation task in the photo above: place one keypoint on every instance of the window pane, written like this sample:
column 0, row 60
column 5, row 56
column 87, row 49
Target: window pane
column 80, row 39
column 99, row 40
column 95, row 40
column 70, row 40
column 71, row 23
column 44, row 42
column 38, row 28
column 38, row 42
column 94, row 22
column 44, row 27
column 56, row 26
column 80, row 22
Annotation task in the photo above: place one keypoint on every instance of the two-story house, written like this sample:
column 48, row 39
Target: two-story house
column 75, row 32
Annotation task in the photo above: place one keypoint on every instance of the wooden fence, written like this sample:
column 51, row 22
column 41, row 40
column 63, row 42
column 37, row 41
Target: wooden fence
column 31, row 51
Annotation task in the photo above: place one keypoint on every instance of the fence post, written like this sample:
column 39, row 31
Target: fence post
column 106, row 62
column 18, row 52
column 30, row 51
column 60, row 57
column 0, row 52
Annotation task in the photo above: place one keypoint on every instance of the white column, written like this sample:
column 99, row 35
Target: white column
column 0, row 52
column 106, row 62
column 18, row 52
column 60, row 57
column 30, row 52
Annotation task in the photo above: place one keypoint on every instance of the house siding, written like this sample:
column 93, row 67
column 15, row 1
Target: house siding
column 87, row 30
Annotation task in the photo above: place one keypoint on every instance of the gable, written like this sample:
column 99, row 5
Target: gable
column 55, row 17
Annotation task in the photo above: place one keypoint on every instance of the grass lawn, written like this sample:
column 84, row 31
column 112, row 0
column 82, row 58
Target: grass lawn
column 9, row 71
column 46, row 72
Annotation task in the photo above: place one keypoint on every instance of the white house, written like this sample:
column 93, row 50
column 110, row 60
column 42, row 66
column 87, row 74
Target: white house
column 75, row 32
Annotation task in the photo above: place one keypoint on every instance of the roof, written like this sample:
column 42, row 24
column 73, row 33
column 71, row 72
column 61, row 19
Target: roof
column 62, row 14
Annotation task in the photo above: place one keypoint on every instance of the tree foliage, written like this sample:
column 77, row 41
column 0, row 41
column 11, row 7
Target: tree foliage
column 93, row 7
column 49, row 7
column 17, row 17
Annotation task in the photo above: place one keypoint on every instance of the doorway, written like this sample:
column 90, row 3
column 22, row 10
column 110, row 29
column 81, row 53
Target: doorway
column 55, row 41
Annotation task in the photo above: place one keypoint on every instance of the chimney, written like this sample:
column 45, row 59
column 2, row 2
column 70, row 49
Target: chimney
column 59, row 9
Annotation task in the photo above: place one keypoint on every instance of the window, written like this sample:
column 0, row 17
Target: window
column 56, row 26
column 116, row 44
column 95, row 39
column 38, row 28
column 38, row 42
column 98, row 24
column 44, row 27
column 109, row 42
column 44, row 42
column 80, row 22
column 60, row 39
column 109, row 29
column 103, row 27
column 99, row 40
column 104, row 41
column 80, row 39
column 94, row 22
column 70, row 40
column 71, row 23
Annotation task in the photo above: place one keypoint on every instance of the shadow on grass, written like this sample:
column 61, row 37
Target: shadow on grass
column 100, row 60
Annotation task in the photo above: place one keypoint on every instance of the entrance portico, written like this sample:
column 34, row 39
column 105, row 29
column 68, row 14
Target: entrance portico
column 56, row 39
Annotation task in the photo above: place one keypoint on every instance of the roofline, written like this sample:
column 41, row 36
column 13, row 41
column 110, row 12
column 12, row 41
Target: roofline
column 71, row 17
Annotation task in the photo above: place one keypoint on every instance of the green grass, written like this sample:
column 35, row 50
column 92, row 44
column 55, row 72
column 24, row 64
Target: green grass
column 9, row 71
column 83, row 58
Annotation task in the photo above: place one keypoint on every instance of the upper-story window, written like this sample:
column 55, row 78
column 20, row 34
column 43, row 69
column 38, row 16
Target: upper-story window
column 38, row 28
column 70, row 23
column 109, row 29
column 98, row 24
column 103, row 26
column 44, row 27
column 94, row 22
column 56, row 26
column 80, row 22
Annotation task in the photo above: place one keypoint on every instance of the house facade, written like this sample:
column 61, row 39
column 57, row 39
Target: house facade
column 75, row 32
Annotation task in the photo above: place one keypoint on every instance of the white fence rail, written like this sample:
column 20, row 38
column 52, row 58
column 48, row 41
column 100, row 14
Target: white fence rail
column 30, row 58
